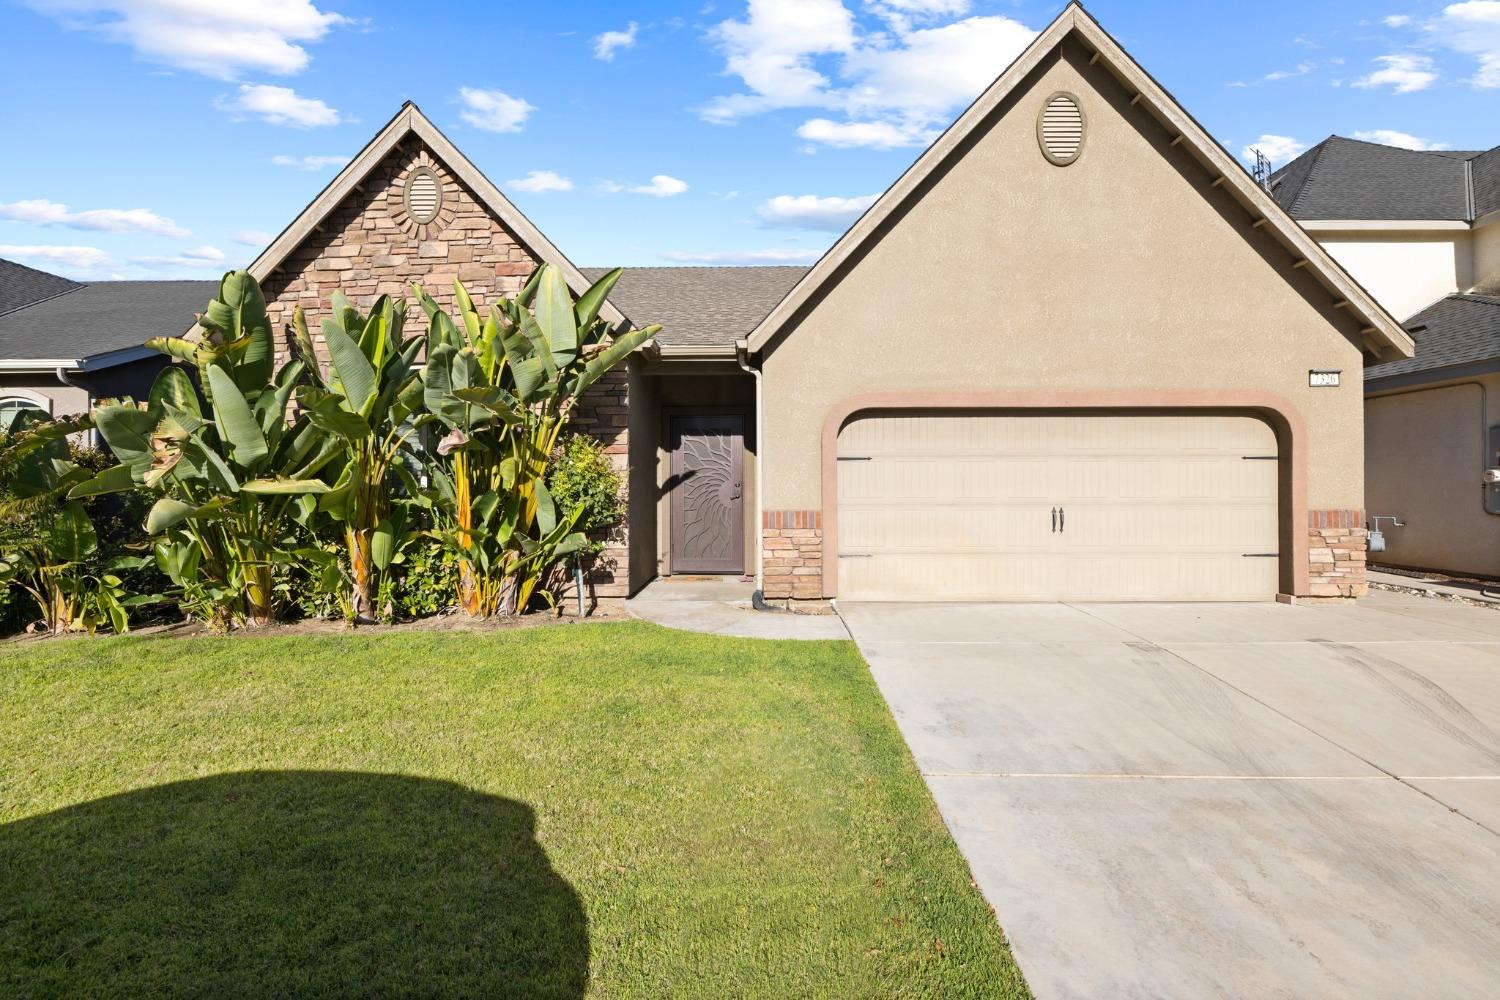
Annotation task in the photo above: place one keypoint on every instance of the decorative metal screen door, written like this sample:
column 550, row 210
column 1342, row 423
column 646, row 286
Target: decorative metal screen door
column 707, row 490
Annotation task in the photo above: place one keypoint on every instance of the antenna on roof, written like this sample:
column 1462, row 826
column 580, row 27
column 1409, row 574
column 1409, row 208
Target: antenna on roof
column 1262, row 170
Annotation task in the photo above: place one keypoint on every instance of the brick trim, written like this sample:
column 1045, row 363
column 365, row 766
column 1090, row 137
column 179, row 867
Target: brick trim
column 775, row 520
column 1336, row 553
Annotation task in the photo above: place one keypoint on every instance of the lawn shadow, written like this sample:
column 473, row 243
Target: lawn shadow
column 288, row 883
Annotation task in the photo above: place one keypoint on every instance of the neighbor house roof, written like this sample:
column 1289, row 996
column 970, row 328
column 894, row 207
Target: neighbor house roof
column 1380, row 334
column 1453, row 334
column 700, row 306
column 410, row 121
column 21, row 285
column 101, row 321
column 1346, row 179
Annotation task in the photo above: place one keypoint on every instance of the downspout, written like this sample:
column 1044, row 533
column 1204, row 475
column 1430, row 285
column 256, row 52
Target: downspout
column 742, row 355
column 62, row 376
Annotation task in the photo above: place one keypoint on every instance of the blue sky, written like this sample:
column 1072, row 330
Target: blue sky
column 168, row 138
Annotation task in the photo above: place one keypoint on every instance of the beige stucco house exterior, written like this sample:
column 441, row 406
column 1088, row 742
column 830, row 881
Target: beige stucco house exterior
column 1421, row 231
column 1075, row 352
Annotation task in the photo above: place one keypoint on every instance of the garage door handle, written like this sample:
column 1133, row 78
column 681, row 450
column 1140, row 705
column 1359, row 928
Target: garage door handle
column 1054, row 520
column 1062, row 519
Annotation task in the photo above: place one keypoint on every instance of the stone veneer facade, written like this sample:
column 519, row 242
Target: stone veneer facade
column 369, row 246
column 793, row 554
column 1336, row 552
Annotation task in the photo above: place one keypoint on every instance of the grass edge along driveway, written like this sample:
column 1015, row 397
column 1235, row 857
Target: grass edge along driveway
column 604, row 810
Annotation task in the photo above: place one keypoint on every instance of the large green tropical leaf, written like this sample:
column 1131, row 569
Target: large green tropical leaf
column 166, row 513
column 237, row 424
column 70, row 536
column 284, row 487
column 355, row 375
column 172, row 387
column 239, row 313
column 591, row 301
column 127, row 430
column 116, row 479
column 555, row 316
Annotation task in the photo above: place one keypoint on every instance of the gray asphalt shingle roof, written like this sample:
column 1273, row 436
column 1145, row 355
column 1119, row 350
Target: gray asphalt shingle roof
column 1457, row 330
column 101, row 317
column 700, row 306
column 1348, row 179
column 21, row 285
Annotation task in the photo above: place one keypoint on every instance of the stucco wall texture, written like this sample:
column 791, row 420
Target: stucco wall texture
column 1426, row 451
column 1123, row 271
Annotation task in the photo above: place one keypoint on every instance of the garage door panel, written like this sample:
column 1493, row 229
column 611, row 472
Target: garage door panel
column 1156, row 507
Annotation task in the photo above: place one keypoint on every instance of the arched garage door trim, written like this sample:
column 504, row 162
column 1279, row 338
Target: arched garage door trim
column 1283, row 417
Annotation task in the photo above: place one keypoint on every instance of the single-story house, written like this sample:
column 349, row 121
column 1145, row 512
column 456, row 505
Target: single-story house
column 1074, row 352
column 1421, row 231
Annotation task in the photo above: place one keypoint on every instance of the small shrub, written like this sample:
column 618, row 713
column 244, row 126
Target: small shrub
column 581, row 473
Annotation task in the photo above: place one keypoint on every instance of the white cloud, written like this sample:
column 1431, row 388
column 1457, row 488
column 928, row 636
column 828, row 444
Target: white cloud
column 1405, row 140
column 218, row 38
column 785, row 255
column 202, row 257
column 493, row 110
column 910, row 80
column 279, row 106
column 540, row 182
column 75, row 257
column 808, row 211
column 1404, row 73
column 1276, row 148
column 606, row 44
column 661, row 186
column 871, row 135
column 41, row 212
column 253, row 238
column 310, row 162
column 1396, row 20
column 1473, row 27
column 1303, row 68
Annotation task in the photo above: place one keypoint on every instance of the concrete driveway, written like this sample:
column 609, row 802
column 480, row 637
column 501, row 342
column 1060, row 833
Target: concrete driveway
column 1216, row 800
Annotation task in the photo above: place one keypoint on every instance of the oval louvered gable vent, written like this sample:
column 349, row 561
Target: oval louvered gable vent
column 1060, row 129
column 424, row 196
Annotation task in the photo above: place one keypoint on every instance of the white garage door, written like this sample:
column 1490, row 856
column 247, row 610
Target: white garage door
column 1107, row 507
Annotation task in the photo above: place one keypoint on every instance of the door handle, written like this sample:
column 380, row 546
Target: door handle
column 1062, row 519
column 1054, row 520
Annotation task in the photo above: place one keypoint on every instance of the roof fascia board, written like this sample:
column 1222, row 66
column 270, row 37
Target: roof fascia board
column 410, row 121
column 696, row 351
column 39, row 364
column 1156, row 99
column 110, row 359
column 1447, row 373
column 1384, row 225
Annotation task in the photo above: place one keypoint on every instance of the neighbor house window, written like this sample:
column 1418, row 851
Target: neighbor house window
column 12, row 406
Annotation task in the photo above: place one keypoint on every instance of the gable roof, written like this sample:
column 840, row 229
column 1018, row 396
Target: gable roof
column 700, row 306
column 1382, row 335
column 1349, row 179
column 99, row 324
column 20, row 285
column 410, row 121
column 1456, row 331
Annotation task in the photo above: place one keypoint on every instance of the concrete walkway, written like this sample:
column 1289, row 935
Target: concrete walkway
column 1216, row 800
column 721, row 606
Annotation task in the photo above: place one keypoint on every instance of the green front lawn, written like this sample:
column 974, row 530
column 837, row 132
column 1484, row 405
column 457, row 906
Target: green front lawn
column 604, row 810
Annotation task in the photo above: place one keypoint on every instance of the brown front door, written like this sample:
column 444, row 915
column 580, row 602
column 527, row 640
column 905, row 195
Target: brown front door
column 708, row 496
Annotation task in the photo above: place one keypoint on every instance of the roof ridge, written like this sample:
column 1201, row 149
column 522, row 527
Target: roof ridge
column 1317, row 158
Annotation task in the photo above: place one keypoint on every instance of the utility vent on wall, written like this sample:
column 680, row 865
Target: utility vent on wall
column 424, row 195
column 1060, row 128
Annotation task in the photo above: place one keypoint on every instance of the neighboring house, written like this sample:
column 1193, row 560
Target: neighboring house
column 1421, row 231
column 65, row 344
column 1068, row 355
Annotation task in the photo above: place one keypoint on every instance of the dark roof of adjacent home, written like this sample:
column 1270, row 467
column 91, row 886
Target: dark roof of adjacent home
column 1349, row 179
column 699, row 306
column 21, row 285
column 1451, row 333
column 101, row 317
